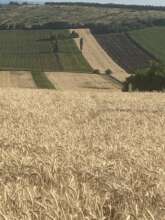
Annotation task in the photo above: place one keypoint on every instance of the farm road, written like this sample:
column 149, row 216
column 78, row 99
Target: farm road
column 97, row 57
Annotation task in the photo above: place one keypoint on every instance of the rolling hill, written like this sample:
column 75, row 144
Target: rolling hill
column 112, row 17
column 82, row 154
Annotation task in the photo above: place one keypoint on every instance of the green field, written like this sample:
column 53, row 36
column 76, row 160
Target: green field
column 29, row 50
column 152, row 40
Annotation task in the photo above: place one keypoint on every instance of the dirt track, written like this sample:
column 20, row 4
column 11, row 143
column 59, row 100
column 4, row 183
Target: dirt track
column 16, row 79
column 84, row 82
column 97, row 57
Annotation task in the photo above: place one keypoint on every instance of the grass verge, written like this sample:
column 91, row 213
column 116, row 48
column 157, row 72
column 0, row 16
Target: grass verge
column 41, row 80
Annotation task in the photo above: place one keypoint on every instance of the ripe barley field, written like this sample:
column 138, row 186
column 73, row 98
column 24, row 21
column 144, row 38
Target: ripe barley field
column 75, row 155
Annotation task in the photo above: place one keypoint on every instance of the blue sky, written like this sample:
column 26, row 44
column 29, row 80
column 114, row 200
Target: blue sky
column 139, row 2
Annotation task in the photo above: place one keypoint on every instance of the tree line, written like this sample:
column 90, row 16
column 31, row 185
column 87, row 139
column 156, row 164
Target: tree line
column 109, row 5
column 97, row 28
column 98, row 5
column 151, row 79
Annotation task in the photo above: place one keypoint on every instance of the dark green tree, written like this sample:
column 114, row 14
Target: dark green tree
column 81, row 44
column 152, row 79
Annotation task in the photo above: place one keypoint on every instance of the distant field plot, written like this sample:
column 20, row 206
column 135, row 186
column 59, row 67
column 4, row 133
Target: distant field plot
column 81, row 82
column 27, row 50
column 152, row 39
column 16, row 79
column 124, row 51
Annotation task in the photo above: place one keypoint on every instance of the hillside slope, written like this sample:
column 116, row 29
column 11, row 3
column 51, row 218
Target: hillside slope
column 97, row 57
column 73, row 155
column 41, row 14
column 124, row 51
column 38, row 49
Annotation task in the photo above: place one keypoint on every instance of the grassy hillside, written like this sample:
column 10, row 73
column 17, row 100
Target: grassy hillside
column 38, row 15
column 35, row 50
column 124, row 51
column 152, row 39
column 81, row 155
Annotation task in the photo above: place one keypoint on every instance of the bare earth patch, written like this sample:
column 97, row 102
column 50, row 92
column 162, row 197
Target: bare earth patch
column 97, row 57
column 84, row 82
column 16, row 79
column 81, row 155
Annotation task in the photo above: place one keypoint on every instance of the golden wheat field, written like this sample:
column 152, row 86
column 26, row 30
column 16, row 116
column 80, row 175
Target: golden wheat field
column 81, row 156
column 82, row 82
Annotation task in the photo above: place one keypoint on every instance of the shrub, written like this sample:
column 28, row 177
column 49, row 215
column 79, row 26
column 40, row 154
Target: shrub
column 108, row 72
column 74, row 34
column 152, row 79
column 96, row 71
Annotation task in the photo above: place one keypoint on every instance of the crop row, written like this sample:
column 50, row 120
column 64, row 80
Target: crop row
column 124, row 51
column 34, row 50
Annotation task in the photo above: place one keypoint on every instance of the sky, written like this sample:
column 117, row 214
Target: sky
column 138, row 2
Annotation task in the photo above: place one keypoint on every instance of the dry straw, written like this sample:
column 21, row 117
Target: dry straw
column 81, row 156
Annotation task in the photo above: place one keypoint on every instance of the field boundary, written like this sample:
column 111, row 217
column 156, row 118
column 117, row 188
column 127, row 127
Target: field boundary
column 44, row 70
column 41, row 80
column 116, row 81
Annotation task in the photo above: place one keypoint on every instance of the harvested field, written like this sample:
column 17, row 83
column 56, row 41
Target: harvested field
column 17, row 79
column 74, row 155
column 84, row 82
column 126, row 53
column 97, row 57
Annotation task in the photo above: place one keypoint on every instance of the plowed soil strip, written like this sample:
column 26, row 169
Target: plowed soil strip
column 84, row 82
column 97, row 57
column 16, row 79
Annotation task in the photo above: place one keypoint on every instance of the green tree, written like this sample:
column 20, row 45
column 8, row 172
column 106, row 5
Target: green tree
column 81, row 44
column 55, row 45
column 152, row 79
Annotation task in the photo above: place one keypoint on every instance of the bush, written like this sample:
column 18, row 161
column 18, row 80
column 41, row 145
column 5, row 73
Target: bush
column 96, row 71
column 108, row 72
column 74, row 34
column 152, row 79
